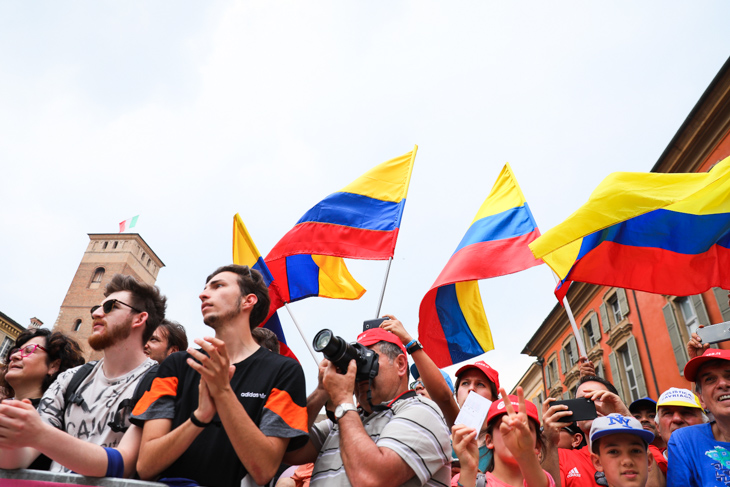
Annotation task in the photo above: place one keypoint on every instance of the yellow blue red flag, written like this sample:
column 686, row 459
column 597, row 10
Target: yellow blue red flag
column 246, row 253
column 452, row 324
column 654, row 232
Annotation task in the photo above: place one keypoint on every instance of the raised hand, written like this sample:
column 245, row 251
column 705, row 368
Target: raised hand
column 393, row 325
column 515, row 427
column 215, row 368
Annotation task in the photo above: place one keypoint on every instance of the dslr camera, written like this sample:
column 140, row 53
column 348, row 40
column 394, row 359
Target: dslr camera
column 339, row 352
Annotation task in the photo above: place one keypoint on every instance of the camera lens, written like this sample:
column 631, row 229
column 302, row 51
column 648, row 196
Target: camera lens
column 322, row 339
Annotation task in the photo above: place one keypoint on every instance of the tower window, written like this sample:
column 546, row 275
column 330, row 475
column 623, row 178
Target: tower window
column 77, row 325
column 103, row 247
column 115, row 245
column 98, row 274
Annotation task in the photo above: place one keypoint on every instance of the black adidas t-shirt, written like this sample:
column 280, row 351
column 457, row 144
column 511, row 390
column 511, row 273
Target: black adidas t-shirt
column 269, row 386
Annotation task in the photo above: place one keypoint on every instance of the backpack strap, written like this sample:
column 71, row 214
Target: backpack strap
column 120, row 423
column 70, row 396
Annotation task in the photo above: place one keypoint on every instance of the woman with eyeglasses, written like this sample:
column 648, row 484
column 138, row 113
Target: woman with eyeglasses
column 33, row 364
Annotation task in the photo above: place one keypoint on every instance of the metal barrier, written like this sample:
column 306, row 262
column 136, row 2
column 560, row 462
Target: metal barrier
column 40, row 478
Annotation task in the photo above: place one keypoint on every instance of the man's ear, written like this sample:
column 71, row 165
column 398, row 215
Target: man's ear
column 402, row 362
column 596, row 462
column 249, row 301
column 702, row 401
column 577, row 440
column 652, row 463
column 172, row 350
column 140, row 319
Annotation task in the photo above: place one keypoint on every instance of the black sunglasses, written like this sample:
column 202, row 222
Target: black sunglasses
column 108, row 306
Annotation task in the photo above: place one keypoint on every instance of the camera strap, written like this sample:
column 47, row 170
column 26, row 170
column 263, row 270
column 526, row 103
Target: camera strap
column 383, row 407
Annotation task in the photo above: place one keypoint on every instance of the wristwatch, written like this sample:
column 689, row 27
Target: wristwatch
column 343, row 408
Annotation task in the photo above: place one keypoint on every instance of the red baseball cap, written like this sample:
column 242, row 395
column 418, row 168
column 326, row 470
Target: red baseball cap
column 491, row 374
column 375, row 335
column 497, row 409
column 693, row 366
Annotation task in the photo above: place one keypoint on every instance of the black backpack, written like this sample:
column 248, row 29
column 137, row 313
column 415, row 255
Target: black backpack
column 71, row 396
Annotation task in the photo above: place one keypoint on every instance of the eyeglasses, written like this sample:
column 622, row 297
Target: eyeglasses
column 26, row 350
column 108, row 306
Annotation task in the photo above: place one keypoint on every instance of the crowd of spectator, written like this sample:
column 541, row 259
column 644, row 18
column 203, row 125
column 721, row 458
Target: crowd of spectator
column 232, row 411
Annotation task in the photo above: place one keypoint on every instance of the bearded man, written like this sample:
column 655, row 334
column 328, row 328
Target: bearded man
column 88, row 432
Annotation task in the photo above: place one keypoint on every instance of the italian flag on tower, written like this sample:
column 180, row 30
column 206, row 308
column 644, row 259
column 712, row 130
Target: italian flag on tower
column 127, row 224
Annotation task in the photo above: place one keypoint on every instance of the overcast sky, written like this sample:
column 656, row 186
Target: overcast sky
column 188, row 112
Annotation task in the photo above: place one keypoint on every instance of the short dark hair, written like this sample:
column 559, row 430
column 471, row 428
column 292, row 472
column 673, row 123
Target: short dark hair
column 266, row 338
column 595, row 378
column 145, row 297
column 250, row 281
column 176, row 336
column 58, row 347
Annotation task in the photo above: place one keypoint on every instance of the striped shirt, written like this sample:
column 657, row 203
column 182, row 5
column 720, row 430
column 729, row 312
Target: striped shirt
column 414, row 428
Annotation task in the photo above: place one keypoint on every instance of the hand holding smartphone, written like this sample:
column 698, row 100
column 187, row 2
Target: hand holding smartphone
column 583, row 409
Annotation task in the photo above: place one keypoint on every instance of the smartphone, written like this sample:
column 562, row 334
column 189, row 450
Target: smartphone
column 582, row 409
column 715, row 333
column 367, row 324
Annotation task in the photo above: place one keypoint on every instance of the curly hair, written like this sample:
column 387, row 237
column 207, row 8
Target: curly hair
column 59, row 347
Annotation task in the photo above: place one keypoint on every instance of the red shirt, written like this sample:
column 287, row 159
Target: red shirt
column 576, row 468
column 659, row 458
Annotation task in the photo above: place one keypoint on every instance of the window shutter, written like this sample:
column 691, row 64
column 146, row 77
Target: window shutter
column 563, row 362
column 722, row 302
column 566, row 395
column 596, row 327
column 604, row 318
column 680, row 354
column 574, row 351
column 623, row 303
column 616, row 375
column 547, row 376
column 599, row 370
column 699, row 306
column 636, row 362
column 556, row 379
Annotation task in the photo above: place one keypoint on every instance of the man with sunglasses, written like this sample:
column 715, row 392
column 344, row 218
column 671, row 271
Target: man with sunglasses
column 226, row 413
column 88, row 432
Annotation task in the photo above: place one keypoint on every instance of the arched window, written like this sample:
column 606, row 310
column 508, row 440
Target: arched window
column 98, row 274
column 77, row 325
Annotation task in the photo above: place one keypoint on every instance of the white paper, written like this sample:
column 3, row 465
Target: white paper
column 474, row 411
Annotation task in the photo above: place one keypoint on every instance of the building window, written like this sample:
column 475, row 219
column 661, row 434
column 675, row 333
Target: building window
column 569, row 354
column 103, row 247
column 551, row 373
column 688, row 314
column 626, row 372
column 591, row 331
column 115, row 245
column 615, row 309
column 633, row 388
column 77, row 325
column 7, row 343
column 98, row 274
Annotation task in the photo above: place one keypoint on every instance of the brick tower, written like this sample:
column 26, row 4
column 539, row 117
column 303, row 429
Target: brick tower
column 106, row 255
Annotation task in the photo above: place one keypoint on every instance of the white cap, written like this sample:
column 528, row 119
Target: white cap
column 615, row 423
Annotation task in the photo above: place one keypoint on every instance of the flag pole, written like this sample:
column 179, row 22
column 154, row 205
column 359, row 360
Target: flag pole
column 571, row 318
column 309, row 346
column 382, row 291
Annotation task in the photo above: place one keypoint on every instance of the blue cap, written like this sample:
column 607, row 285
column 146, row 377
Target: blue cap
column 643, row 403
column 416, row 375
column 615, row 423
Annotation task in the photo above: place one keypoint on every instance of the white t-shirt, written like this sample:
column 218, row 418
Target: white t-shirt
column 102, row 397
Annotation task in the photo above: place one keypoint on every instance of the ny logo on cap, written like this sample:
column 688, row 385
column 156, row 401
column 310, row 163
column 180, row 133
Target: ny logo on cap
column 618, row 420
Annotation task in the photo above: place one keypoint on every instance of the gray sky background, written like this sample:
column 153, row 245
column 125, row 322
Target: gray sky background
column 188, row 112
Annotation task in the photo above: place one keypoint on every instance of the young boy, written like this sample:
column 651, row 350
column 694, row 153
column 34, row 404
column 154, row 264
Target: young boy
column 619, row 446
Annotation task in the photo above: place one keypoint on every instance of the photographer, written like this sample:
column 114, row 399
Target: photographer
column 395, row 437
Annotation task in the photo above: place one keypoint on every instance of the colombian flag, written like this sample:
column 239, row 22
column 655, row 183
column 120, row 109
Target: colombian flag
column 654, row 232
column 246, row 253
column 361, row 221
column 452, row 324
